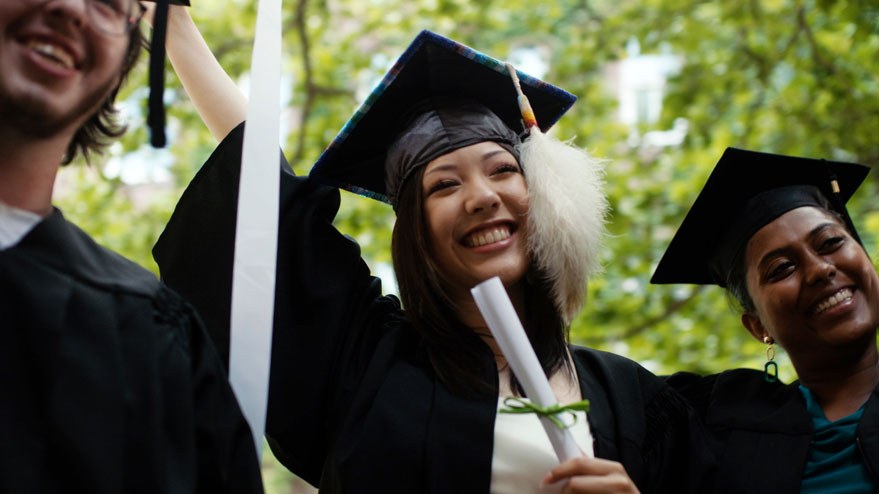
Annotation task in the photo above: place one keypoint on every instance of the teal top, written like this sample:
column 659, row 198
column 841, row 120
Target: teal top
column 835, row 465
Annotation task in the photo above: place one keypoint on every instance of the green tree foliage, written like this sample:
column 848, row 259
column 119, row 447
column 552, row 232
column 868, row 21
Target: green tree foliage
column 792, row 77
column 786, row 76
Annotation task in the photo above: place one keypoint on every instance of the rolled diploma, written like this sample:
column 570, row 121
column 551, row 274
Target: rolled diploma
column 502, row 320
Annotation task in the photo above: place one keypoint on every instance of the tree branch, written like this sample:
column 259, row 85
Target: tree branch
column 670, row 309
column 308, row 103
column 816, row 49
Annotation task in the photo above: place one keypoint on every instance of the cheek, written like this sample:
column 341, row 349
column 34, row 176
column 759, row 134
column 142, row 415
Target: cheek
column 438, row 220
column 751, row 288
column 872, row 286
column 858, row 262
column 766, row 298
column 516, row 192
column 114, row 55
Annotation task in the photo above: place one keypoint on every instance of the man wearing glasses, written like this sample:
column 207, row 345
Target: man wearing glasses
column 108, row 382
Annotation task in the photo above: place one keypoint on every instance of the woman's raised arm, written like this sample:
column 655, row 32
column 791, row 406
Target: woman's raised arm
column 217, row 99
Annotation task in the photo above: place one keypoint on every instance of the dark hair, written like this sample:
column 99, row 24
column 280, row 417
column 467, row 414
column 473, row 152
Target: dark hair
column 455, row 352
column 736, row 279
column 102, row 127
column 736, row 282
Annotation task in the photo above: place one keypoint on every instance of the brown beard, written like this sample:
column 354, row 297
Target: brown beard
column 32, row 118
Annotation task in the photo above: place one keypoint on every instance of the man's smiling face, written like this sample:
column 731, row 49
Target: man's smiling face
column 57, row 69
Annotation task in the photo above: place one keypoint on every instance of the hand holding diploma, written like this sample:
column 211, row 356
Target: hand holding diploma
column 583, row 474
column 499, row 314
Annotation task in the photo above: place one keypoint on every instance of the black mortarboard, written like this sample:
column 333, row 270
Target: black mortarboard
column 746, row 191
column 156, row 105
column 432, row 71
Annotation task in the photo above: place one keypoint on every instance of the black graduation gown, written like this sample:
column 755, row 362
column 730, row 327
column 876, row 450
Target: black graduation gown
column 761, row 432
column 108, row 382
column 352, row 406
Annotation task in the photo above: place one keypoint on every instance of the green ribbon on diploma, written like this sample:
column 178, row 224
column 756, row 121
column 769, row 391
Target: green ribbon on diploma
column 518, row 405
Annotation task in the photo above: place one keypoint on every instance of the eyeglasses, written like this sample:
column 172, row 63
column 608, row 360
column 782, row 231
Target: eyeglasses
column 112, row 17
column 115, row 17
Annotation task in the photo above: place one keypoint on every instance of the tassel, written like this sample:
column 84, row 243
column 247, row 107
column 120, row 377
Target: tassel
column 156, row 110
column 567, row 211
column 839, row 204
column 566, row 219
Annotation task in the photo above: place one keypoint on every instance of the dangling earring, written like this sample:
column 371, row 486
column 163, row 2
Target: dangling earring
column 770, row 370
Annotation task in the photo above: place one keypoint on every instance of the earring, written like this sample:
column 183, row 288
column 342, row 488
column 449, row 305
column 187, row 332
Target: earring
column 770, row 370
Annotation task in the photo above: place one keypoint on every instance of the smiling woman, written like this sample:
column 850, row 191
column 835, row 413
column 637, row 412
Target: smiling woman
column 814, row 290
column 774, row 230
column 475, row 200
column 371, row 395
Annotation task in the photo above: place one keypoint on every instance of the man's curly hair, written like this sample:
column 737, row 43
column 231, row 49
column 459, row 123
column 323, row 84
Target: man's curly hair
column 102, row 128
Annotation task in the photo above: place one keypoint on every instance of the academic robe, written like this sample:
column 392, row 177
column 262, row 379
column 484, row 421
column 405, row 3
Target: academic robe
column 108, row 382
column 353, row 406
column 761, row 432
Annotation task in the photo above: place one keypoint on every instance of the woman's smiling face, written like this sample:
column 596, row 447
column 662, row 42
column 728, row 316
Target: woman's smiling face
column 813, row 286
column 475, row 206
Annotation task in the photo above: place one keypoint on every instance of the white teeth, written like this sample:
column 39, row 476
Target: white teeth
column 489, row 236
column 53, row 52
column 833, row 300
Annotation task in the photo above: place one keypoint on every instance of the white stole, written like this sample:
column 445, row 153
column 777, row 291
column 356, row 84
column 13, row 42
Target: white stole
column 256, row 239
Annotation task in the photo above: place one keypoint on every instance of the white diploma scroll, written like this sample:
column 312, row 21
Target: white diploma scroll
column 256, row 239
column 505, row 326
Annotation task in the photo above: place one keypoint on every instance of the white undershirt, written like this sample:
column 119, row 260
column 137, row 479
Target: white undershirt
column 15, row 224
column 523, row 454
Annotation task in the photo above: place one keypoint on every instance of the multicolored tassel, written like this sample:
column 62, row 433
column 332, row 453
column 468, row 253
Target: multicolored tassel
column 567, row 210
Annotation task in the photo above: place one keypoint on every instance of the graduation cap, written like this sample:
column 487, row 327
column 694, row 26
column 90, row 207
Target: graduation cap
column 156, row 105
column 746, row 191
column 441, row 96
column 435, row 74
